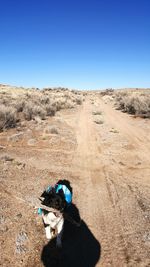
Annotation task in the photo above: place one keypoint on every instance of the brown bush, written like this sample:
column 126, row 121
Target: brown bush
column 8, row 117
column 134, row 104
column 19, row 105
column 78, row 101
column 50, row 109
column 45, row 99
column 97, row 112
column 31, row 111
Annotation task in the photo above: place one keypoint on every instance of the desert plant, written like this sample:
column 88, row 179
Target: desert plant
column 98, row 112
column 136, row 105
column 98, row 121
column 28, row 111
column 8, row 117
column 51, row 130
column 19, row 105
column 78, row 101
column 50, row 109
column 45, row 99
column 39, row 111
column 31, row 111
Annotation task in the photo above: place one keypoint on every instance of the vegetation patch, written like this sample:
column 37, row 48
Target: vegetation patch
column 8, row 117
column 98, row 112
column 136, row 104
column 98, row 121
column 28, row 104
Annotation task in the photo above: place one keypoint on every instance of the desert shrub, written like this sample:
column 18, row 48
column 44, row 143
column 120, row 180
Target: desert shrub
column 45, row 99
column 98, row 112
column 78, row 101
column 28, row 111
column 136, row 105
column 54, row 130
column 31, row 111
column 8, row 117
column 39, row 111
column 132, row 105
column 50, row 109
column 5, row 101
column 68, row 104
column 51, row 130
column 98, row 121
column 59, row 105
column 19, row 105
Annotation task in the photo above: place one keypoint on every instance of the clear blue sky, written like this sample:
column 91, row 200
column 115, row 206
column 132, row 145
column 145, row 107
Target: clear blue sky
column 78, row 44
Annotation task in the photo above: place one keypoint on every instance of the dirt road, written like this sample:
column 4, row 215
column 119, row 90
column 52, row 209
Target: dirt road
column 108, row 167
column 114, row 198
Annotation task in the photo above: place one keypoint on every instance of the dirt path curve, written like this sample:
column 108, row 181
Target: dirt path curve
column 114, row 205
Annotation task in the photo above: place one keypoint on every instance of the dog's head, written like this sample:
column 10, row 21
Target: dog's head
column 54, row 200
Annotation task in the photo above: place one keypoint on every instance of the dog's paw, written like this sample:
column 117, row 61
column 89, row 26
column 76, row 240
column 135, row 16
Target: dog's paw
column 48, row 236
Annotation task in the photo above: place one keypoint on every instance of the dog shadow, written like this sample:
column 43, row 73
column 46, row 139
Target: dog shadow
column 79, row 246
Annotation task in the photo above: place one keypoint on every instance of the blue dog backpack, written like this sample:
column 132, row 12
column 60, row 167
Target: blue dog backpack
column 67, row 193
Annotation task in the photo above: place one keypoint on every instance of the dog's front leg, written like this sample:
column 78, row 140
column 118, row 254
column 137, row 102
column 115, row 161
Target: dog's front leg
column 60, row 232
column 48, row 232
column 47, row 226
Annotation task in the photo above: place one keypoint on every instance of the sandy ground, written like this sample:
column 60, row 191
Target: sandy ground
column 108, row 165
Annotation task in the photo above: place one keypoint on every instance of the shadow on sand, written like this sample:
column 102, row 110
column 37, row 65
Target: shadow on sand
column 79, row 246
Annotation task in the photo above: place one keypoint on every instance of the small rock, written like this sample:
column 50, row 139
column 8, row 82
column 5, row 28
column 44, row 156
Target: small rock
column 32, row 142
column 16, row 137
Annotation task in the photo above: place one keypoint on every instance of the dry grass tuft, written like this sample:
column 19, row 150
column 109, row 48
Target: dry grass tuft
column 98, row 121
column 98, row 112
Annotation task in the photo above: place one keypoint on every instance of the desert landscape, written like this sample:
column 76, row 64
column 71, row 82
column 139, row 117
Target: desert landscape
column 100, row 142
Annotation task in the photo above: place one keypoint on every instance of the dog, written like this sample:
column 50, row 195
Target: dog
column 57, row 198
